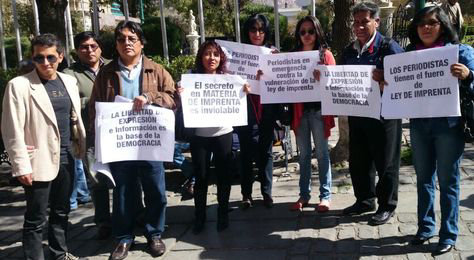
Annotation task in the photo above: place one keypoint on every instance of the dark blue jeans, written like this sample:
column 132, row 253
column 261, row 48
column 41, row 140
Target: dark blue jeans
column 437, row 152
column 126, row 175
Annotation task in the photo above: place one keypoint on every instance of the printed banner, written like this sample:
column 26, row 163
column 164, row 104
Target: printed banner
column 242, row 60
column 212, row 100
column 420, row 84
column 126, row 135
column 349, row 90
column 288, row 77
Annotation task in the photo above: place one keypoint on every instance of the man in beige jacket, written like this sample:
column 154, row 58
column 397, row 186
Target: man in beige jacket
column 42, row 130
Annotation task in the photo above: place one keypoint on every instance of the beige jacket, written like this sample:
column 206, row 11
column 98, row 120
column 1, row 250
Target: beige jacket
column 28, row 118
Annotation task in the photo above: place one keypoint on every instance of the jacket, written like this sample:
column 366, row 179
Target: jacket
column 156, row 83
column 328, row 121
column 28, row 119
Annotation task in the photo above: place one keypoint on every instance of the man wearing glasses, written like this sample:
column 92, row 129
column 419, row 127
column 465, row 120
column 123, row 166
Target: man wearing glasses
column 43, row 132
column 85, row 70
column 136, row 77
column 374, row 145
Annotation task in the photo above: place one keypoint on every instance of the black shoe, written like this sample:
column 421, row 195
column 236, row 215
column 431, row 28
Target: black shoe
column 419, row 240
column 358, row 208
column 198, row 226
column 121, row 251
column 268, row 201
column 156, row 247
column 247, row 202
column 380, row 217
column 442, row 249
column 222, row 223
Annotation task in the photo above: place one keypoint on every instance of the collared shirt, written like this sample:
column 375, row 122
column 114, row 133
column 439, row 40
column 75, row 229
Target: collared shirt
column 134, row 72
column 91, row 70
column 366, row 45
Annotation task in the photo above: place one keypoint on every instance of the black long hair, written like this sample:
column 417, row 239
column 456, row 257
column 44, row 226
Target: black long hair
column 320, row 39
column 199, row 67
column 448, row 33
column 259, row 19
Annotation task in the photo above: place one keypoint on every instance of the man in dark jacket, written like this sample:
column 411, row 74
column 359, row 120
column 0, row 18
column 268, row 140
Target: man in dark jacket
column 374, row 145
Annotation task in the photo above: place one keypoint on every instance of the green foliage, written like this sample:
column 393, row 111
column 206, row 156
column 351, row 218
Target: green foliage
column 152, row 31
column 406, row 156
column 179, row 65
column 5, row 76
column 108, row 41
column 10, row 50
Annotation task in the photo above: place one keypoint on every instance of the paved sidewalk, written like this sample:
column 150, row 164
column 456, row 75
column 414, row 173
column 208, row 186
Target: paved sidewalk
column 261, row 233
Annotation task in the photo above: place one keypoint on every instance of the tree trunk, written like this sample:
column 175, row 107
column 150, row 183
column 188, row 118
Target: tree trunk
column 341, row 28
column 51, row 17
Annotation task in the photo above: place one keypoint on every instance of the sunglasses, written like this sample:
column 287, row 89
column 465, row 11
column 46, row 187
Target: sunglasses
column 255, row 30
column 310, row 32
column 131, row 40
column 86, row 47
column 40, row 59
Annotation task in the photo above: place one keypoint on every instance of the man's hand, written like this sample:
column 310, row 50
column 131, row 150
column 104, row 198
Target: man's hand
column 259, row 74
column 139, row 102
column 317, row 75
column 26, row 180
column 377, row 75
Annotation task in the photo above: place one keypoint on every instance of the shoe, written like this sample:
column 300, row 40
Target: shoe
column 299, row 205
column 84, row 201
column 247, row 202
column 441, row 249
column 380, row 217
column 267, row 201
column 323, row 206
column 198, row 226
column 222, row 223
column 121, row 251
column 419, row 240
column 104, row 232
column 156, row 246
column 69, row 256
column 358, row 208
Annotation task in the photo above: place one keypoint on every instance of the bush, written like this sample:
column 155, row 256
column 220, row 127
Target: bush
column 152, row 31
column 179, row 65
column 10, row 50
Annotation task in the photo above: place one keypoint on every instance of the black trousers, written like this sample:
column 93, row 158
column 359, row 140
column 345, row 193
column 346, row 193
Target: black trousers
column 374, row 145
column 221, row 149
column 57, row 193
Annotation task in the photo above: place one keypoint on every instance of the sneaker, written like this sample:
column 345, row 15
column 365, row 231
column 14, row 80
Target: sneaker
column 299, row 205
column 323, row 206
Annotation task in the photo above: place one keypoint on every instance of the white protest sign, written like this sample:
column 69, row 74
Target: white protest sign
column 213, row 100
column 349, row 90
column 420, row 84
column 127, row 135
column 288, row 77
column 242, row 60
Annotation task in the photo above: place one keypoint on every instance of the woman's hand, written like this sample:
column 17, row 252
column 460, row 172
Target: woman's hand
column 377, row 75
column 317, row 75
column 259, row 74
column 246, row 88
column 275, row 50
column 179, row 89
column 139, row 102
column 460, row 71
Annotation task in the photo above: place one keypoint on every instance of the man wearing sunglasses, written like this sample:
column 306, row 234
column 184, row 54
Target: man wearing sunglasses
column 43, row 132
column 374, row 145
column 90, row 60
column 136, row 77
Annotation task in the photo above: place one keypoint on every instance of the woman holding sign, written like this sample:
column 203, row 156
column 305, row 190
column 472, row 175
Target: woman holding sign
column 438, row 143
column 261, row 121
column 211, row 59
column 307, row 120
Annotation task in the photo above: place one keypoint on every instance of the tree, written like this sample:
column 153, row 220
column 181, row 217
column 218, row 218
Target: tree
column 51, row 17
column 341, row 28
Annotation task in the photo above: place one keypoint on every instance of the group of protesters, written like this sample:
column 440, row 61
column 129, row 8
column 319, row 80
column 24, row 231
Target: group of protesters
column 46, row 115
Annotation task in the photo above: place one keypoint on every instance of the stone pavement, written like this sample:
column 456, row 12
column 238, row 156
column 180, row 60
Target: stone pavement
column 261, row 233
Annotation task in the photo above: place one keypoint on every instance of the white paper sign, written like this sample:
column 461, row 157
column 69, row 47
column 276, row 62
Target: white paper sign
column 288, row 77
column 243, row 60
column 349, row 90
column 213, row 100
column 125, row 135
column 420, row 84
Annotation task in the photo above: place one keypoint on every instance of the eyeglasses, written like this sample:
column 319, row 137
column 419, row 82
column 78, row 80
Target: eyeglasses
column 40, row 59
column 86, row 47
column 430, row 23
column 310, row 32
column 255, row 30
column 131, row 40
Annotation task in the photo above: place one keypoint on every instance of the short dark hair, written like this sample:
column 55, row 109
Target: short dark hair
column 448, row 33
column 221, row 69
column 370, row 7
column 260, row 19
column 84, row 36
column 49, row 40
column 320, row 39
column 133, row 27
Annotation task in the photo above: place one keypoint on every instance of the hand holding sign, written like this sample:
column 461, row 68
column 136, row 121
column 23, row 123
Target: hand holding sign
column 460, row 71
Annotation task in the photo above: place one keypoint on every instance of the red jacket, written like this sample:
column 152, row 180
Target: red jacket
column 298, row 107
